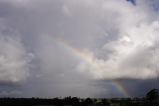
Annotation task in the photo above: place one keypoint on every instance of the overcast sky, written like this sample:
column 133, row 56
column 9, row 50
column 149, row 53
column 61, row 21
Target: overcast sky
column 52, row 48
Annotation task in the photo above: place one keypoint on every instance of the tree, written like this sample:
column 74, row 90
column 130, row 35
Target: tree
column 88, row 102
column 152, row 95
column 105, row 102
column 75, row 101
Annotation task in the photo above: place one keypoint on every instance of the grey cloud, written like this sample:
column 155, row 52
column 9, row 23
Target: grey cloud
column 14, row 60
column 10, row 93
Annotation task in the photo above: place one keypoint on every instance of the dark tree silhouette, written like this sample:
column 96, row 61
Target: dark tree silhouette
column 105, row 102
column 152, row 95
column 88, row 102
column 151, row 99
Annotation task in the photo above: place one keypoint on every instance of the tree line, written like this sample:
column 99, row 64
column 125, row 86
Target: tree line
column 151, row 99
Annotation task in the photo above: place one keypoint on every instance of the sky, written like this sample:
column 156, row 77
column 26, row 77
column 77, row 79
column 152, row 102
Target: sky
column 83, row 48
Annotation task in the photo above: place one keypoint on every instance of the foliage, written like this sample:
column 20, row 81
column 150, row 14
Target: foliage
column 151, row 99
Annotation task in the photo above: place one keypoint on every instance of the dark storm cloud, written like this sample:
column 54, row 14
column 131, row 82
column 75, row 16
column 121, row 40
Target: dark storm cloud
column 132, row 1
column 135, row 88
column 139, row 88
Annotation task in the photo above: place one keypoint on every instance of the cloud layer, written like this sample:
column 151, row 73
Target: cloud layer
column 76, row 43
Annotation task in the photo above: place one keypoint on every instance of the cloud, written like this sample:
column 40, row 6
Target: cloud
column 14, row 60
column 133, row 54
column 10, row 93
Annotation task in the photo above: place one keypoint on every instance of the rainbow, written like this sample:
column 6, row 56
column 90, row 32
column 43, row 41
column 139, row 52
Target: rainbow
column 121, row 88
column 89, row 58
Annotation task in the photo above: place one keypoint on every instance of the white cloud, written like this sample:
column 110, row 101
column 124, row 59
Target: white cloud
column 134, row 54
column 14, row 60
column 119, row 32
